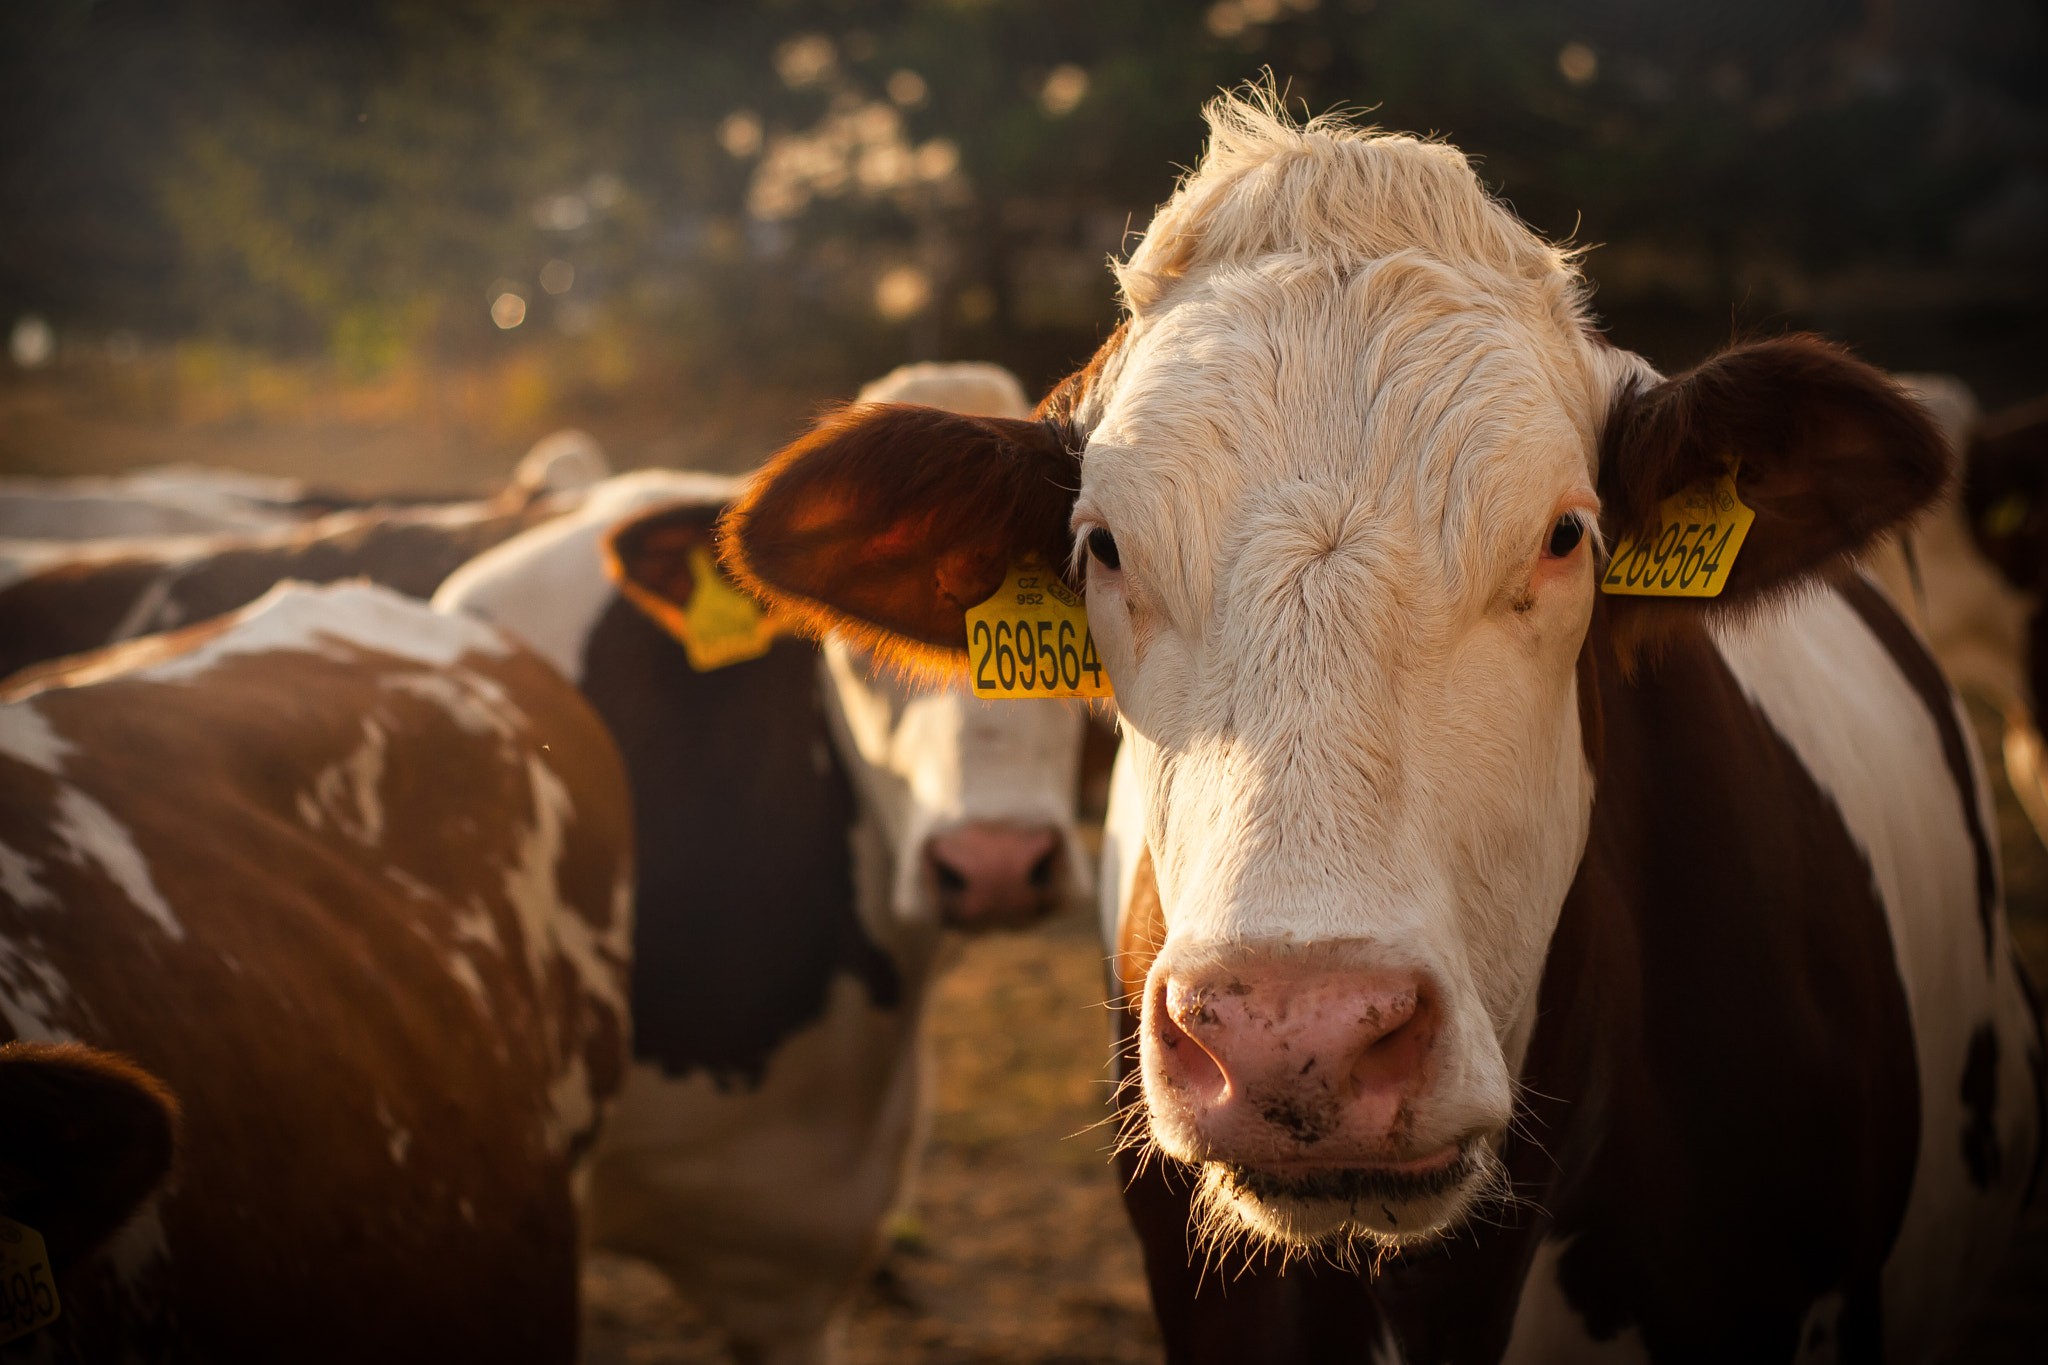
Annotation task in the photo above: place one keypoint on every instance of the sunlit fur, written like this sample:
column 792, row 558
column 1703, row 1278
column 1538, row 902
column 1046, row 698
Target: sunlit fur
column 1354, row 397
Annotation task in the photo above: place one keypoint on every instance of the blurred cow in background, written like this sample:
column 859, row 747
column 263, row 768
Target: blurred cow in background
column 352, row 878
column 1965, row 574
column 808, row 825
column 61, row 597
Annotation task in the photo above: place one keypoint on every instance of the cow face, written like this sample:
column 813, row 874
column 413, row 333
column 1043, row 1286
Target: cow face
column 1343, row 481
column 975, row 798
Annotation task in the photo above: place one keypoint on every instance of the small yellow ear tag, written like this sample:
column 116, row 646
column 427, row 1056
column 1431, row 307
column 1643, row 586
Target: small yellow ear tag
column 1699, row 533
column 28, row 1293
column 721, row 625
column 1032, row 640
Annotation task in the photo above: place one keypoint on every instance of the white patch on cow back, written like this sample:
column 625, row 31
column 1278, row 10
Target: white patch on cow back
column 33, row 993
column 1827, row 685
column 92, row 835
column 334, row 620
column 550, row 926
column 348, row 792
column 548, row 586
column 477, row 704
column 1549, row 1331
column 26, row 734
column 18, row 880
column 397, row 1139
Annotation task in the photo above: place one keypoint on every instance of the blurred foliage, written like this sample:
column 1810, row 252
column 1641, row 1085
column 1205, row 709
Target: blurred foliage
column 816, row 189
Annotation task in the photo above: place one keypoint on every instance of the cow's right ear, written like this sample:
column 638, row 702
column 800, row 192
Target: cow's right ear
column 890, row 520
column 85, row 1137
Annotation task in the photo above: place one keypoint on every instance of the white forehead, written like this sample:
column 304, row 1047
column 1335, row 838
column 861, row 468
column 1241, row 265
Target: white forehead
column 1345, row 323
column 1391, row 410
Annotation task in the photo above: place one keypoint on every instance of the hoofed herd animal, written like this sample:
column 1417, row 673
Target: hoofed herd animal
column 1509, row 968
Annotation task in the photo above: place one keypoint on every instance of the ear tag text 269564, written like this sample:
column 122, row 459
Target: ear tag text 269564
column 1699, row 532
column 28, row 1294
column 1032, row 640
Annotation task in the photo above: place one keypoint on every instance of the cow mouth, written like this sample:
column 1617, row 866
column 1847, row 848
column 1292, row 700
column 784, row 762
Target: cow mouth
column 1305, row 1206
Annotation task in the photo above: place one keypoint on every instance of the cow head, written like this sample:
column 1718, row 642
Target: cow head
column 972, row 800
column 1337, row 491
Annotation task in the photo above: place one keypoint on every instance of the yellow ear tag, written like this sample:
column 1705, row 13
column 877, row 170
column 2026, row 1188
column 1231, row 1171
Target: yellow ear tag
column 721, row 625
column 1691, row 553
column 28, row 1293
column 1032, row 640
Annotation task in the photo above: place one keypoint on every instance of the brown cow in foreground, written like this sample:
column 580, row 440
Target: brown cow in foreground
column 1550, row 973
column 351, row 877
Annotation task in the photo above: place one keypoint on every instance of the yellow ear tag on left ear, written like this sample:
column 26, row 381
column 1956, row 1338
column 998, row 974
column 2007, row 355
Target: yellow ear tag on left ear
column 721, row 625
column 1032, row 640
column 28, row 1292
column 1699, row 533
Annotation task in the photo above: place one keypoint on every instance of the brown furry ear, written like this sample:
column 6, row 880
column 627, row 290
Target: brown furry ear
column 664, row 562
column 1831, row 453
column 890, row 520
column 87, row 1136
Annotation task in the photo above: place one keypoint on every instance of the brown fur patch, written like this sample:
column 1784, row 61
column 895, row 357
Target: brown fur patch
column 1140, row 932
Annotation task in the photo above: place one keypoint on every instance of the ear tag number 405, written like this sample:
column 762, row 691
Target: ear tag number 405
column 1699, row 532
column 1031, row 640
column 28, row 1295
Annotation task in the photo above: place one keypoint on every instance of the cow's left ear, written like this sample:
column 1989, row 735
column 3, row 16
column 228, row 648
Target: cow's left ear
column 890, row 520
column 664, row 563
column 86, row 1136
column 1830, row 453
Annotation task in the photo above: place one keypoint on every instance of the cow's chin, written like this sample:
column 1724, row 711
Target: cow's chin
column 1321, row 1207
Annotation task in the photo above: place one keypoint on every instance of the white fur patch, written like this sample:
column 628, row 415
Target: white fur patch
column 1827, row 685
column 92, row 835
column 1549, row 1331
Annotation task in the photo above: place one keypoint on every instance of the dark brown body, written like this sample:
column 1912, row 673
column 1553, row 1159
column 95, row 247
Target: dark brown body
column 392, row 1008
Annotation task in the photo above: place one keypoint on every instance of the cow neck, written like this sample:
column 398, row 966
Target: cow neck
column 1720, row 1103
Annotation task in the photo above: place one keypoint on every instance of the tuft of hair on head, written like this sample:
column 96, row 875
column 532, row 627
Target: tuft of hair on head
column 1335, row 189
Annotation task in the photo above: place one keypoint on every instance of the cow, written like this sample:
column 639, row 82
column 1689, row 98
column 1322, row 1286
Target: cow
column 809, row 827
column 193, row 500
column 65, row 599
column 352, row 878
column 1546, row 972
column 169, row 500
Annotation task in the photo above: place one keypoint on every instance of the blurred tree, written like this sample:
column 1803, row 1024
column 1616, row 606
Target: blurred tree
column 815, row 189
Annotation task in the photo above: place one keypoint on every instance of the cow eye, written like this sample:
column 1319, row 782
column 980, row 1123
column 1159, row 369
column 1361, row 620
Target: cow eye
column 1565, row 537
column 1102, row 545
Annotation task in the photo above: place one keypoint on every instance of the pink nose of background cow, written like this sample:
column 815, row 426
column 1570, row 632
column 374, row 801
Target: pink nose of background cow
column 1285, row 1067
column 992, row 876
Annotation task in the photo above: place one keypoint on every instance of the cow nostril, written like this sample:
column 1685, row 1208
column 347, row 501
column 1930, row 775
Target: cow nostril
column 1040, row 875
column 949, row 877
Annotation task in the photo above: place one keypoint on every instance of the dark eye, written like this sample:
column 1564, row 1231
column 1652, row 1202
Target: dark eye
column 1565, row 537
column 1102, row 545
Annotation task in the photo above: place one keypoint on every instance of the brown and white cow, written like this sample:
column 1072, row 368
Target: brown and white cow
column 1623, row 978
column 808, row 826
column 351, row 878
column 58, row 599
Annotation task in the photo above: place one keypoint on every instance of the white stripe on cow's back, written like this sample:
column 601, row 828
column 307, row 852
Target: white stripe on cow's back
column 1829, row 687
column 548, row 586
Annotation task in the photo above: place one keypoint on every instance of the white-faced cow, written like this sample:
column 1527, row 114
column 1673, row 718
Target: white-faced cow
column 352, row 879
column 807, row 826
column 1621, row 977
